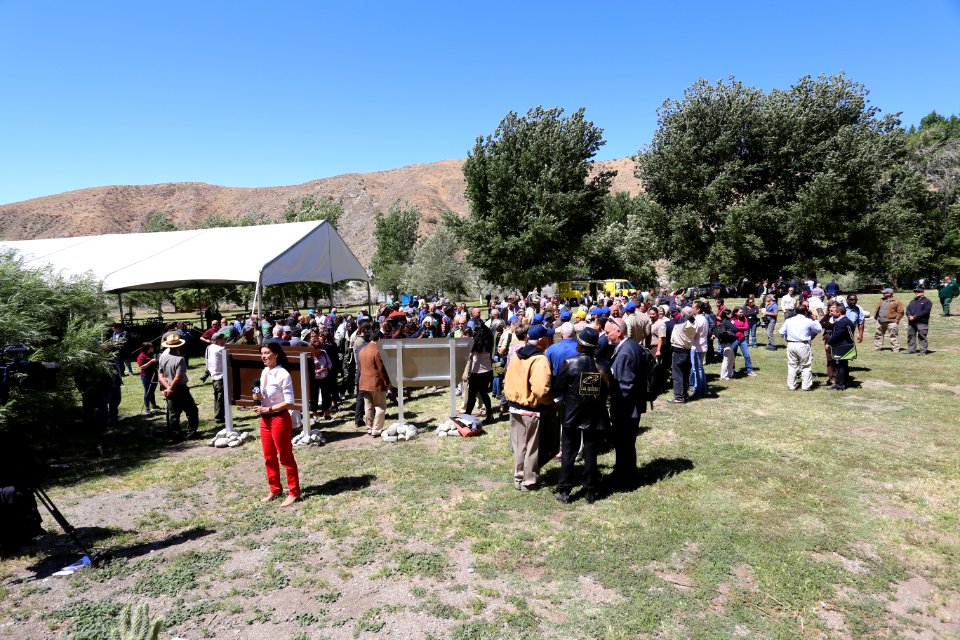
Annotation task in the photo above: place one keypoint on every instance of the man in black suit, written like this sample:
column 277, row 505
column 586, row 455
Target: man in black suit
column 628, row 399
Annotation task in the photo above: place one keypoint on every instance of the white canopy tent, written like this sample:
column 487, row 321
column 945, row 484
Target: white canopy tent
column 264, row 255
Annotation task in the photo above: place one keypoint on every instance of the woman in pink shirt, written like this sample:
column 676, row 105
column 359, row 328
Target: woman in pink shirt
column 743, row 335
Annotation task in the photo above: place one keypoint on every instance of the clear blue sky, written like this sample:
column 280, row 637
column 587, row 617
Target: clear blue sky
column 276, row 93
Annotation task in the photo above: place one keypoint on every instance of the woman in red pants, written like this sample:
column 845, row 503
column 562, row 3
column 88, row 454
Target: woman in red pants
column 276, row 428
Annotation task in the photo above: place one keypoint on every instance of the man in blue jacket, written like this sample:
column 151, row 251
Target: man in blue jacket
column 628, row 399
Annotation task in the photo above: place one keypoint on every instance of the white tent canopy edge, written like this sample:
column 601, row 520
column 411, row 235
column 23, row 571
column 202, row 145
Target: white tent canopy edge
column 263, row 255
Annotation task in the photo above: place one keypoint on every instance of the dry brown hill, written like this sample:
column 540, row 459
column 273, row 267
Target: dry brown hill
column 125, row 209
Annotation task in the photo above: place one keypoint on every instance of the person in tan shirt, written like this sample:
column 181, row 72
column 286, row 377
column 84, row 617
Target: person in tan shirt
column 888, row 314
column 374, row 383
column 527, row 389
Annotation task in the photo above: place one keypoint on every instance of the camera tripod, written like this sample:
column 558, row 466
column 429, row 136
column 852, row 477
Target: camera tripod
column 62, row 521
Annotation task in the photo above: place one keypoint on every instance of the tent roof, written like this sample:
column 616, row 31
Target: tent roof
column 273, row 254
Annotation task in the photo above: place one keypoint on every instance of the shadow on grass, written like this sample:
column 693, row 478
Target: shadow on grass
column 68, row 453
column 660, row 469
column 60, row 549
column 340, row 485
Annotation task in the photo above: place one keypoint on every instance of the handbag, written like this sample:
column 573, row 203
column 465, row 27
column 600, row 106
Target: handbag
column 849, row 354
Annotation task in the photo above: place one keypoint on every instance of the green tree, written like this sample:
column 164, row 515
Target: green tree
column 935, row 155
column 439, row 263
column 159, row 221
column 396, row 233
column 62, row 320
column 624, row 242
column 532, row 201
column 790, row 180
column 310, row 207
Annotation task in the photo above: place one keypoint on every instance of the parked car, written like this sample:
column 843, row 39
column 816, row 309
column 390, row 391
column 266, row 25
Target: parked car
column 712, row 290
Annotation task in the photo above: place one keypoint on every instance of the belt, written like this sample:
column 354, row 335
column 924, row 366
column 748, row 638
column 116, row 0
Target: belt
column 799, row 341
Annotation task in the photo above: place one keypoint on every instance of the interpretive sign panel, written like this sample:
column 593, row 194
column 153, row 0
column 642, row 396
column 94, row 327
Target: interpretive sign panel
column 424, row 363
column 242, row 369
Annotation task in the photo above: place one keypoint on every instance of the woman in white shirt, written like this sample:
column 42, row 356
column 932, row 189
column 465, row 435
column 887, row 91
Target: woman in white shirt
column 276, row 428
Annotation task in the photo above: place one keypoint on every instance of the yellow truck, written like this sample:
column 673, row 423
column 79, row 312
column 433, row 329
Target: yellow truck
column 619, row 287
column 593, row 288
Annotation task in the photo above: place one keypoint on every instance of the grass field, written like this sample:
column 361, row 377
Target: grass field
column 763, row 514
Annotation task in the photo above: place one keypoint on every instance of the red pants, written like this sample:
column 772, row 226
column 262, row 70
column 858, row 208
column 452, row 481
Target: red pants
column 276, row 435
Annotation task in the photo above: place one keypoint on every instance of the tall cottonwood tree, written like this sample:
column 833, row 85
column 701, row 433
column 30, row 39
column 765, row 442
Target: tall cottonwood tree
column 798, row 180
column 396, row 235
column 532, row 199
column 439, row 265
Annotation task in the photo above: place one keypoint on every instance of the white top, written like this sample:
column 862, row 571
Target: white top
column 215, row 361
column 788, row 302
column 276, row 386
column 703, row 331
column 800, row 328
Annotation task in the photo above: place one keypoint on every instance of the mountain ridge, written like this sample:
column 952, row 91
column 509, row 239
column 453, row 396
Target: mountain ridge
column 432, row 187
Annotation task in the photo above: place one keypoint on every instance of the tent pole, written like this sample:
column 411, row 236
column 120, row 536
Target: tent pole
column 120, row 303
column 368, row 299
column 260, row 297
column 330, row 262
column 199, row 310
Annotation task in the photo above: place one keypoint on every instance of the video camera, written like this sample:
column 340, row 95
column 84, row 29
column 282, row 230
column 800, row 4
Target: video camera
column 16, row 372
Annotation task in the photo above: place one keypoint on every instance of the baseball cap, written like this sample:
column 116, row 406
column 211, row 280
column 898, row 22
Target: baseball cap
column 538, row 331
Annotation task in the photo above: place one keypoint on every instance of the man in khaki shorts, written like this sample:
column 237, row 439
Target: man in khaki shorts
column 889, row 313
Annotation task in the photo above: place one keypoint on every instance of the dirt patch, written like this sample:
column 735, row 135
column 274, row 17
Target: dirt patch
column 672, row 571
column 850, row 564
column 833, row 620
column 882, row 406
column 954, row 389
column 718, row 604
column 593, row 592
column 934, row 614
column 745, row 580
column 885, row 506
column 884, row 384
column 528, row 571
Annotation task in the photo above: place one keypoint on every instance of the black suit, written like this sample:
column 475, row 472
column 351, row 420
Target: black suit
column 628, row 400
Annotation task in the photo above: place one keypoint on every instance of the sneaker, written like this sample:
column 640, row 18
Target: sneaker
column 751, row 373
column 564, row 497
column 590, row 497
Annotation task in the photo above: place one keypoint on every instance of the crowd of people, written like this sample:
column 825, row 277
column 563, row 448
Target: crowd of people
column 587, row 367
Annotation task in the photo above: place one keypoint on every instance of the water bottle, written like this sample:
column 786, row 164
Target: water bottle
column 256, row 391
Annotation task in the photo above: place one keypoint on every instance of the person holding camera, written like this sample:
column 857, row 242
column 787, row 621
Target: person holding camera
column 682, row 335
column 147, row 364
column 798, row 331
column 275, row 400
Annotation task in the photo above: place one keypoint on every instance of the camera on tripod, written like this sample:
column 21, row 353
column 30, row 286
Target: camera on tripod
column 17, row 372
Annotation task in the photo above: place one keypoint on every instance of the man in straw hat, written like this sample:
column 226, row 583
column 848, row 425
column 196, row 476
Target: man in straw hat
column 173, row 381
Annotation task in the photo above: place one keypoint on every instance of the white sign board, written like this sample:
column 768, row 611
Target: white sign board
column 425, row 362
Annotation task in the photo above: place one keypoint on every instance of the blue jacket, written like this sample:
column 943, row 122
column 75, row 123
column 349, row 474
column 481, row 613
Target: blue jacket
column 920, row 309
column 557, row 353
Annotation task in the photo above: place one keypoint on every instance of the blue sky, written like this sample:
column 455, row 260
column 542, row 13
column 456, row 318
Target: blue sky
column 263, row 94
